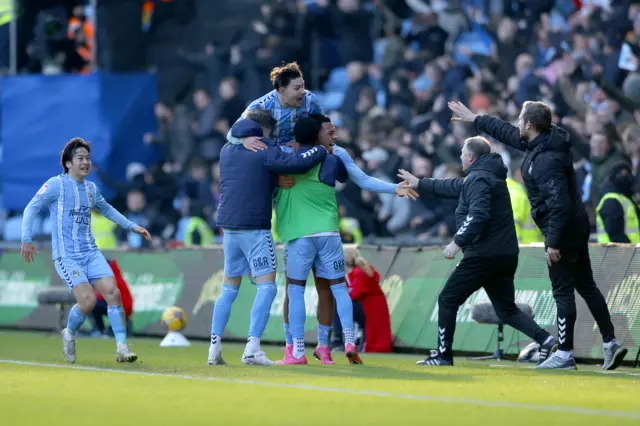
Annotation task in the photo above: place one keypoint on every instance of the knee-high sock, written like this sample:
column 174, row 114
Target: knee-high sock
column 118, row 323
column 222, row 309
column 345, row 310
column 76, row 318
column 261, row 308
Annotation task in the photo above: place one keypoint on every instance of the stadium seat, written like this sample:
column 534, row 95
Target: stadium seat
column 60, row 297
column 485, row 313
column 338, row 81
column 332, row 101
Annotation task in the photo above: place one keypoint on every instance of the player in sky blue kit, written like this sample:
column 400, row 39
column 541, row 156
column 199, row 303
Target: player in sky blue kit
column 70, row 199
column 247, row 183
column 288, row 102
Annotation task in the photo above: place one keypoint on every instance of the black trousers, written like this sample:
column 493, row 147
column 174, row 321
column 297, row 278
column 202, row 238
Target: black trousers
column 495, row 275
column 573, row 273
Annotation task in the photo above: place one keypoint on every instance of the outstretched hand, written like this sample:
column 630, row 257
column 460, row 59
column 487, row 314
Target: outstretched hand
column 404, row 190
column 412, row 181
column 463, row 113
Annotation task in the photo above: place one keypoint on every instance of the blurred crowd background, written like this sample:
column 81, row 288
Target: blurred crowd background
column 383, row 70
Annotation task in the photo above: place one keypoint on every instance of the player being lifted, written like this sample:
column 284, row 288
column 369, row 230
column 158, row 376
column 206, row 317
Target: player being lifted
column 70, row 199
column 289, row 101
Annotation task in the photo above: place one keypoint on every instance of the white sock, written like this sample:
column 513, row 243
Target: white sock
column 69, row 335
column 253, row 345
column 348, row 336
column 298, row 347
column 564, row 354
column 607, row 345
column 215, row 340
column 548, row 340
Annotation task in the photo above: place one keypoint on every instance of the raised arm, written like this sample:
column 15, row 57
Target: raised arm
column 48, row 194
column 441, row 188
column 107, row 210
column 479, row 198
column 278, row 161
column 500, row 131
column 360, row 178
column 494, row 127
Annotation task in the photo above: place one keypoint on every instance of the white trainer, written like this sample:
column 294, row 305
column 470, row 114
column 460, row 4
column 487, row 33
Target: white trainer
column 124, row 354
column 256, row 358
column 68, row 347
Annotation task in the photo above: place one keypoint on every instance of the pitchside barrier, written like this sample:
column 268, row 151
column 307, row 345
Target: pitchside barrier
column 412, row 279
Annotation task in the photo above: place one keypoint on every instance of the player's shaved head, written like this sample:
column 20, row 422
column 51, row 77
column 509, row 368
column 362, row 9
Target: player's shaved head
column 306, row 131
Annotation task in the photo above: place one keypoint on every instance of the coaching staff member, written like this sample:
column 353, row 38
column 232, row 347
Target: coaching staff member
column 487, row 236
column 557, row 209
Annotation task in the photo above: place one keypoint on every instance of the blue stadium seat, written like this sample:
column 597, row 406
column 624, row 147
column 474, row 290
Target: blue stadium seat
column 13, row 229
column 381, row 98
column 332, row 101
column 337, row 80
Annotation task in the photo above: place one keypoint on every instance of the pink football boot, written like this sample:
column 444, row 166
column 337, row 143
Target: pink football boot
column 289, row 359
column 352, row 354
column 323, row 354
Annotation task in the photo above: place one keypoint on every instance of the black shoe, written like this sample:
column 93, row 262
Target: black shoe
column 614, row 356
column 436, row 361
column 547, row 349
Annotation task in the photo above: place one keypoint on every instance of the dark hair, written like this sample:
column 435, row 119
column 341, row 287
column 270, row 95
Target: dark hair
column 70, row 149
column 538, row 114
column 281, row 76
column 306, row 131
column 263, row 117
column 478, row 146
column 320, row 118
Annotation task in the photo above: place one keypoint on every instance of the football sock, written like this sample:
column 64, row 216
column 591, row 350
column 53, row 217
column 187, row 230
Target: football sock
column 323, row 335
column 345, row 310
column 261, row 308
column 118, row 323
column 222, row 309
column 76, row 318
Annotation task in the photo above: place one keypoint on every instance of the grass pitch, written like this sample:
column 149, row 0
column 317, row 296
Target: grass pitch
column 174, row 386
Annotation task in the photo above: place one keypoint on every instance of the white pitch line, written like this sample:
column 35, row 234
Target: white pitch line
column 414, row 397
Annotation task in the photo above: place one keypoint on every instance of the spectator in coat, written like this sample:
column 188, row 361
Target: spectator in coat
column 364, row 286
column 100, row 310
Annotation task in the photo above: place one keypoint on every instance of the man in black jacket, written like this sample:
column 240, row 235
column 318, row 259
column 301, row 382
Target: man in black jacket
column 487, row 236
column 557, row 209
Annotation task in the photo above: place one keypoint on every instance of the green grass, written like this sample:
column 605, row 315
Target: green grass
column 387, row 390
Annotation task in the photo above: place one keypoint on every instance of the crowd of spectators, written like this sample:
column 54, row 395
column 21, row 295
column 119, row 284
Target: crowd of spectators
column 384, row 71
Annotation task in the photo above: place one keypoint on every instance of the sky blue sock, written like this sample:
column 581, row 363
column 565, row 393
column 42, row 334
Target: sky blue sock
column 297, row 313
column 323, row 335
column 76, row 318
column 222, row 309
column 261, row 308
column 344, row 304
column 287, row 334
column 118, row 322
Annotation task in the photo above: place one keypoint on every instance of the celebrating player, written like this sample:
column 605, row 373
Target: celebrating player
column 289, row 101
column 247, row 184
column 70, row 199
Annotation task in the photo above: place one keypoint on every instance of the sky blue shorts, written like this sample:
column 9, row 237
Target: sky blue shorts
column 323, row 253
column 88, row 269
column 248, row 251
